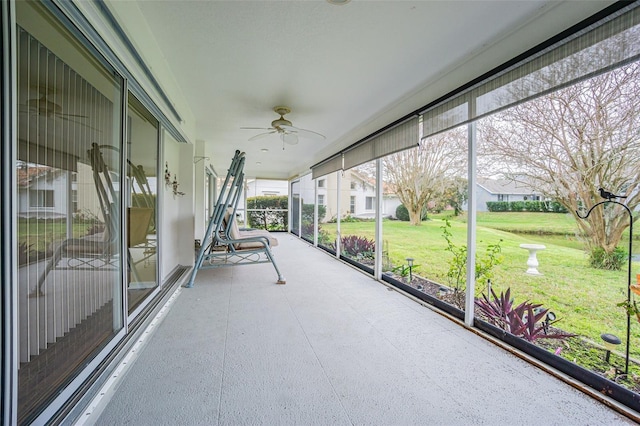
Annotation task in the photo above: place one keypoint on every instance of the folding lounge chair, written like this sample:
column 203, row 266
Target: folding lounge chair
column 100, row 251
column 224, row 244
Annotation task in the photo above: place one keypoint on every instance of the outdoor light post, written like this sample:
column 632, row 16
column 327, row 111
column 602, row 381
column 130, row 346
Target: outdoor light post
column 550, row 317
column 610, row 199
column 410, row 262
column 610, row 343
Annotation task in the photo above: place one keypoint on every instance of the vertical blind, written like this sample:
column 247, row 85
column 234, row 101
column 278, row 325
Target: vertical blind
column 61, row 113
column 60, row 116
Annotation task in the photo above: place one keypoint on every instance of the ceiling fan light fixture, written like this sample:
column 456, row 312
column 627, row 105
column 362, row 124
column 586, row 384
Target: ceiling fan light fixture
column 280, row 122
column 285, row 129
column 338, row 2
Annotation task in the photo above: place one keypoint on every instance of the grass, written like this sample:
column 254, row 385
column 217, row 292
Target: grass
column 582, row 297
column 39, row 234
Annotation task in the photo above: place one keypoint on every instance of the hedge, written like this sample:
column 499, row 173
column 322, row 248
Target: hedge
column 266, row 219
column 529, row 206
column 403, row 214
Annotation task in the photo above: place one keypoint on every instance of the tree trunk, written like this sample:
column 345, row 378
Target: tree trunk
column 415, row 218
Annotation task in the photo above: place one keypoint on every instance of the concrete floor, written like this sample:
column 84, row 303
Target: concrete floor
column 332, row 346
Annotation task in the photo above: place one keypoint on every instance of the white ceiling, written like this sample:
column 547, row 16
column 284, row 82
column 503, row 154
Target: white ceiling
column 345, row 71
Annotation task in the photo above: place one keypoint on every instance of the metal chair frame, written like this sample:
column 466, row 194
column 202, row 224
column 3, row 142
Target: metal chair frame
column 218, row 249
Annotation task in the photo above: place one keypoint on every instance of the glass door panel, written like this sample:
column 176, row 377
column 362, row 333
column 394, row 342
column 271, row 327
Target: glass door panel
column 68, row 208
column 142, row 183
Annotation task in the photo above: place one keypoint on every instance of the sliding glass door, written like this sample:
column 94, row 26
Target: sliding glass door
column 69, row 208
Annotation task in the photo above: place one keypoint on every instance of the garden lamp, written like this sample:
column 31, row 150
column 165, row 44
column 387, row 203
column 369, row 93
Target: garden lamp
column 410, row 263
column 611, row 342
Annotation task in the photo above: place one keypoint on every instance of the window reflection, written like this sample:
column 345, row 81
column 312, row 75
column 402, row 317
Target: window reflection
column 69, row 276
column 142, row 183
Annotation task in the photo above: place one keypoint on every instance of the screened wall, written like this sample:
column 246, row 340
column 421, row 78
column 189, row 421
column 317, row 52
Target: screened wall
column 508, row 203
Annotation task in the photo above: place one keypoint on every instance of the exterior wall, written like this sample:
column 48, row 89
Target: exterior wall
column 483, row 196
column 177, row 223
column 361, row 192
column 58, row 184
column 259, row 187
column 390, row 203
column 88, row 204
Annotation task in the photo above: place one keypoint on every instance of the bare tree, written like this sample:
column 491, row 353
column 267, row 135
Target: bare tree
column 572, row 142
column 421, row 174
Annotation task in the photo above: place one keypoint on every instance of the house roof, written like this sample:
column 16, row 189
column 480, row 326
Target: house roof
column 506, row 186
column 27, row 175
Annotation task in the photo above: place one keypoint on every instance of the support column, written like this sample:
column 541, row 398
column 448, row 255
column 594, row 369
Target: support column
column 315, row 212
column 339, row 195
column 471, row 226
column 379, row 248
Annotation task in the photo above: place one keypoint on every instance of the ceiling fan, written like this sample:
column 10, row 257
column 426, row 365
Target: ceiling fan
column 43, row 107
column 282, row 126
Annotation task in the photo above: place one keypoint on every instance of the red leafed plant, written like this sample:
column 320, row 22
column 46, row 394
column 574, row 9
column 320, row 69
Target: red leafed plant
column 523, row 320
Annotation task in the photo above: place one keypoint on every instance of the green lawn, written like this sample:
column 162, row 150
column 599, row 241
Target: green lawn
column 584, row 298
column 40, row 234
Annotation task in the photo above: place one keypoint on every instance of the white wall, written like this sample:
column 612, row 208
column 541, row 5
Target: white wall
column 177, row 210
column 199, row 189
column 389, row 205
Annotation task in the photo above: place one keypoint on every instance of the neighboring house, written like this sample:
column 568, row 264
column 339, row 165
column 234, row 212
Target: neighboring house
column 260, row 187
column 46, row 192
column 503, row 190
column 357, row 196
column 42, row 192
column 362, row 196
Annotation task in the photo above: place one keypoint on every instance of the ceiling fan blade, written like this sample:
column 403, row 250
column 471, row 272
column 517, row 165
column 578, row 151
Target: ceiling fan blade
column 308, row 134
column 289, row 138
column 257, row 128
column 262, row 135
column 70, row 120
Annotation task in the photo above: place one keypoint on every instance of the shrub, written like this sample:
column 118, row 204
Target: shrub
column 403, row 214
column 324, row 238
column 498, row 206
column 458, row 265
column 95, row 229
column 269, row 217
column 516, row 206
column 521, row 321
column 356, row 247
column 534, row 206
column 600, row 259
column 307, row 212
column 556, row 207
